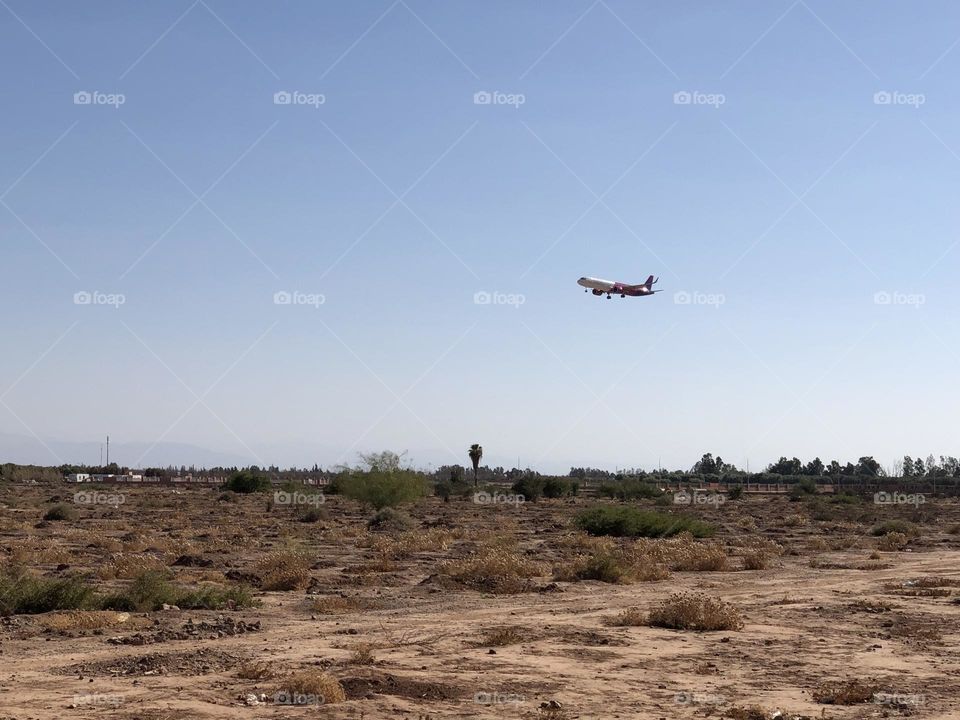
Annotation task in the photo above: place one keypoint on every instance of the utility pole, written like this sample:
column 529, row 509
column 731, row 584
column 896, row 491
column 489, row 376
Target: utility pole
column 108, row 449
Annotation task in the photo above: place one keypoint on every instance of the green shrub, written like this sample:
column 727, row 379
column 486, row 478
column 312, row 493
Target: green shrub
column 735, row 492
column 530, row 486
column 151, row 590
column 61, row 511
column 896, row 526
column 21, row 593
column 391, row 519
column 804, row 487
column 630, row 489
column 554, row 487
column 311, row 514
column 627, row 521
column 383, row 488
column 247, row 481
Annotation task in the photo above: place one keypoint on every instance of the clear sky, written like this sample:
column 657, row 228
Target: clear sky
column 739, row 151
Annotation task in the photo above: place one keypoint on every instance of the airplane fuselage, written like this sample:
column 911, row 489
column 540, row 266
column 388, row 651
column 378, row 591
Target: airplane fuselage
column 609, row 287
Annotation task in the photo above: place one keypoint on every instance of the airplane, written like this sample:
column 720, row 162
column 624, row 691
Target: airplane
column 599, row 287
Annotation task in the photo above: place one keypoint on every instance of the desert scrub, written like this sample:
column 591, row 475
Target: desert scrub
column 759, row 553
column 844, row 692
column 22, row 593
column 631, row 617
column 325, row 689
column 893, row 542
column 247, row 481
column 494, row 570
column 695, row 611
column 284, row 570
column 60, row 511
column 896, row 526
column 628, row 521
column 391, row 519
column 408, row 543
column 129, row 565
column 380, row 488
column 152, row 590
column 612, row 565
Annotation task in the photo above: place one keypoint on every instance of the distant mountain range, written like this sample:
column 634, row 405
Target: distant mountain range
column 26, row 450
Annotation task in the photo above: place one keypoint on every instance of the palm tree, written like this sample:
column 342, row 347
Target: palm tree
column 476, row 452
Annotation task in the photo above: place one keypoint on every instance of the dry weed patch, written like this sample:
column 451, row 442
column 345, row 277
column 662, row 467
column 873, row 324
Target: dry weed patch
column 284, row 570
column 631, row 617
column 409, row 543
column 494, row 570
column 844, row 692
column 695, row 611
column 313, row 682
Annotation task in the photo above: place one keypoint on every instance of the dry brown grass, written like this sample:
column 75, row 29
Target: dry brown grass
column 284, row 570
column 695, row 611
column 313, row 682
column 125, row 566
column 502, row 636
column 794, row 520
column 363, row 654
column 256, row 670
column 89, row 620
column 844, row 692
column 37, row 551
column 339, row 605
column 892, row 542
column 494, row 570
column 644, row 559
column 759, row 553
column 631, row 617
column 406, row 544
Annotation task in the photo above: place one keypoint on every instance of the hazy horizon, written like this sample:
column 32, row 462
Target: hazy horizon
column 296, row 232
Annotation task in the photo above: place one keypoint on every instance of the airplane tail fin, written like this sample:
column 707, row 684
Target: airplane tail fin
column 650, row 282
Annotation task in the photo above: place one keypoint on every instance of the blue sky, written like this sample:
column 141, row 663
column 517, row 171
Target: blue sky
column 774, row 206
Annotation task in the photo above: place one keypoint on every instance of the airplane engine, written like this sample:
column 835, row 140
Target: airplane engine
column 597, row 292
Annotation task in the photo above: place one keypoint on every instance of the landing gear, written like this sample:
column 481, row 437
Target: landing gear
column 608, row 297
column 623, row 296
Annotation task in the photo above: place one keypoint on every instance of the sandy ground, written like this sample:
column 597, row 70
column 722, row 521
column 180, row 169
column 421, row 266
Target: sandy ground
column 804, row 626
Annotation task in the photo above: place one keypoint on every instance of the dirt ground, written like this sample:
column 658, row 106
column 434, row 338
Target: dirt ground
column 406, row 640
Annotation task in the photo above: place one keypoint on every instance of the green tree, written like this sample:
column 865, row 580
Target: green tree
column 908, row 468
column 476, row 453
column 814, row 467
column 705, row 465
